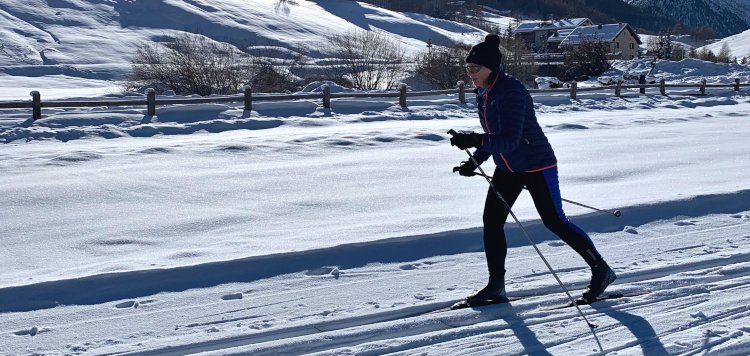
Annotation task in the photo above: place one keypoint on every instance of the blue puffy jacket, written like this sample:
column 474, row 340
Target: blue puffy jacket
column 512, row 135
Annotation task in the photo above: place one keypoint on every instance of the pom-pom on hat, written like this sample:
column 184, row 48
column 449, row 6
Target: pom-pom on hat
column 487, row 53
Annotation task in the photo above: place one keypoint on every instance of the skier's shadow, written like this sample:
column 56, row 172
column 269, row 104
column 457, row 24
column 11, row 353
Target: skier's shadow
column 528, row 338
column 639, row 327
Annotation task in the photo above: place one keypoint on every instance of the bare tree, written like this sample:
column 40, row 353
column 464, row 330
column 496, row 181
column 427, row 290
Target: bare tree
column 518, row 60
column 707, row 55
column 653, row 45
column 443, row 67
column 587, row 59
column 283, row 6
column 369, row 60
column 693, row 52
column 725, row 54
column 276, row 69
column 191, row 64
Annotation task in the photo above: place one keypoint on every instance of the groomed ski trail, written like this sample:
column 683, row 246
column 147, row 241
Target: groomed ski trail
column 684, row 288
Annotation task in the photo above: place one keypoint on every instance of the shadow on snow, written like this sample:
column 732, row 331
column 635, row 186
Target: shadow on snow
column 116, row 286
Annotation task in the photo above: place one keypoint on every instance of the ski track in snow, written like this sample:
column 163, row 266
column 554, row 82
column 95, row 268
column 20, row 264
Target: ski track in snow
column 272, row 316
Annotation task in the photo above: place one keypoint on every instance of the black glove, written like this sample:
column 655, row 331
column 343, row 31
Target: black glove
column 464, row 140
column 466, row 168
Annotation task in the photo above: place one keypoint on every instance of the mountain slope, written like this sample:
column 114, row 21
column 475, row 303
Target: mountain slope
column 726, row 17
column 76, row 32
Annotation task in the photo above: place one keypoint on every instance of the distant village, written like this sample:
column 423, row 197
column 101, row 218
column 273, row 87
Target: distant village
column 544, row 37
column 547, row 38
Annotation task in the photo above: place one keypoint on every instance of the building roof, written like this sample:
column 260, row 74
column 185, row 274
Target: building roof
column 560, row 35
column 606, row 33
column 530, row 26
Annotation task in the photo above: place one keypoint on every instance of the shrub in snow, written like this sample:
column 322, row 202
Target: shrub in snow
column 192, row 64
column 548, row 83
column 606, row 80
column 369, row 60
column 630, row 76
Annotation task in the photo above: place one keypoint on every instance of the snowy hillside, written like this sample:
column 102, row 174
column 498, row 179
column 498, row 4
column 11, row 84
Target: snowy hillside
column 739, row 44
column 99, row 36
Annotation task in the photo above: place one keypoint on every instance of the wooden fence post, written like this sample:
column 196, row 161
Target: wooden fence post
column 326, row 96
column 737, row 84
column 151, row 98
column 663, row 86
column 248, row 92
column 703, row 87
column 462, row 92
column 642, row 81
column 36, row 105
column 573, row 88
column 618, row 88
column 402, row 96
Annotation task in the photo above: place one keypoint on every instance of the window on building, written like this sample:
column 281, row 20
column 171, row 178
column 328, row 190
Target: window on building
column 631, row 56
column 617, row 44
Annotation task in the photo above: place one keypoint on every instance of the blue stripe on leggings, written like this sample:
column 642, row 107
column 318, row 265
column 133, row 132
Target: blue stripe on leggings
column 553, row 185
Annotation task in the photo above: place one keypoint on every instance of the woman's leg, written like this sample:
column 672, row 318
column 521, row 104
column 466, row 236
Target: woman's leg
column 509, row 185
column 545, row 191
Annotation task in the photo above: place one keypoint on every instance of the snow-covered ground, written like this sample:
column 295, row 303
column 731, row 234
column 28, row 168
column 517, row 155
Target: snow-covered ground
column 295, row 229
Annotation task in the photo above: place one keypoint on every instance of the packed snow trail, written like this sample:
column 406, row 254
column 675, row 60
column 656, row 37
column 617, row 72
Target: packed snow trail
column 698, row 284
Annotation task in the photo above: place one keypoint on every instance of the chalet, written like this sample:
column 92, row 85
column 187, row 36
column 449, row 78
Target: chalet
column 622, row 39
column 536, row 33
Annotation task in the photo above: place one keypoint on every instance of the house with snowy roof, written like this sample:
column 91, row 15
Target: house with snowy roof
column 622, row 39
column 536, row 33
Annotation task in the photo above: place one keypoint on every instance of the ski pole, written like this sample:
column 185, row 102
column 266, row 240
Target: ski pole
column 539, row 252
column 616, row 213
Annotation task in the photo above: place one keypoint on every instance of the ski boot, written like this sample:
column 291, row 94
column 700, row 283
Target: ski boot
column 493, row 293
column 601, row 277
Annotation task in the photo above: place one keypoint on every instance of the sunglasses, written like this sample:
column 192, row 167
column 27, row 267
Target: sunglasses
column 473, row 69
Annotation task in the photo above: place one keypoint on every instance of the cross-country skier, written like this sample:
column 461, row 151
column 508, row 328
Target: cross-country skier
column 524, row 158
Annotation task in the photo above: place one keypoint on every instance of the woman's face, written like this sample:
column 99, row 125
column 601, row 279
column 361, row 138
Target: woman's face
column 478, row 74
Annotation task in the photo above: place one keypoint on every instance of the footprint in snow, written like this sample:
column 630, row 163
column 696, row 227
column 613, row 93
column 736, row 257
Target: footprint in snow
column 409, row 267
column 334, row 271
column 128, row 304
column 234, row 296
column 685, row 223
column 31, row 332
column 421, row 296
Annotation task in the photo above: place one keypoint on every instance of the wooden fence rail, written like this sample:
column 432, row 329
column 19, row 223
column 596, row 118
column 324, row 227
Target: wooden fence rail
column 248, row 97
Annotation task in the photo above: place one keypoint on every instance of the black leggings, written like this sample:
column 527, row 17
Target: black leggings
column 544, row 188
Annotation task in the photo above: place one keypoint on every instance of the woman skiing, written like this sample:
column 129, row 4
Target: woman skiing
column 524, row 158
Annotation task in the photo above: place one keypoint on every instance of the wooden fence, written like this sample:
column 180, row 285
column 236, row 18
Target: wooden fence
column 248, row 97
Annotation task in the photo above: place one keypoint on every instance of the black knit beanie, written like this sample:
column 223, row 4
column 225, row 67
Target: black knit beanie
column 487, row 53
